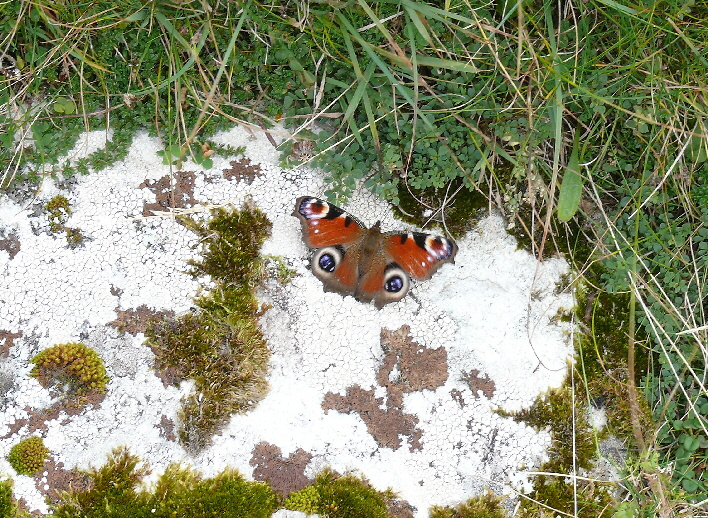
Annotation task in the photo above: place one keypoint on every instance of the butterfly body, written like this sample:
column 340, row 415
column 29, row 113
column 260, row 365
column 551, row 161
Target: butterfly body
column 364, row 262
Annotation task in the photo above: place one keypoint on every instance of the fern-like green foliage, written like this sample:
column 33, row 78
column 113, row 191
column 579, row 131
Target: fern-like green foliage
column 28, row 456
column 337, row 496
column 220, row 347
column 74, row 364
column 179, row 493
column 661, row 240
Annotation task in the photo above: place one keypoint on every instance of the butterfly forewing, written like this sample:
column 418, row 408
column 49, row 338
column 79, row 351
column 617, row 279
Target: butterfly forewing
column 420, row 254
column 324, row 224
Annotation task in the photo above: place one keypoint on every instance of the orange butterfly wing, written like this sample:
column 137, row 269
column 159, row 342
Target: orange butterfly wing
column 324, row 224
column 420, row 254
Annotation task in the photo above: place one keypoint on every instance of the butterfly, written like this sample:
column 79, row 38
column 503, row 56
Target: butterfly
column 367, row 263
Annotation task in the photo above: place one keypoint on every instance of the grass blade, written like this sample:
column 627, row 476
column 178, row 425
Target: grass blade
column 571, row 188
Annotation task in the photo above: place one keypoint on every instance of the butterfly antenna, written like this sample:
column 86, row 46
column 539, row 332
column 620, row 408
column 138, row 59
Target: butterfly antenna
column 445, row 202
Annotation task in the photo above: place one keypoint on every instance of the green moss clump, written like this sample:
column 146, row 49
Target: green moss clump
column 603, row 358
column 112, row 490
column 555, row 409
column 231, row 242
column 8, row 508
column 487, row 505
column 58, row 211
column 341, row 497
column 219, row 347
column 179, row 492
column 74, row 237
column 28, row 456
column 306, row 500
column 283, row 273
column 74, row 364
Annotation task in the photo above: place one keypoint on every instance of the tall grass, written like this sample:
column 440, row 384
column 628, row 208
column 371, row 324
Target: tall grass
column 583, row 122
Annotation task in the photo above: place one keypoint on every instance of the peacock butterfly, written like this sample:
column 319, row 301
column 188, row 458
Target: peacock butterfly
column 367, row 263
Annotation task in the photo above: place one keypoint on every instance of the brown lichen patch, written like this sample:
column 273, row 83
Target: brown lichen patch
column 386, row 425
column 167, row 428
column 23, row 506
column 478, row 383
column 400, row 508
column 35, row 421
column 284, row 474
column 70, row 405
column 170, row 376
column 242, row 170
column 175, row 192
column 136, row 320
column 419, row 367
column 11, row 244
column 7, row 340
column 457, row 396
column 58, row 480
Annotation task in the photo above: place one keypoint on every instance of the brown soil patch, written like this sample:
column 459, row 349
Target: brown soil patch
column 478, row 383
column 406, row 367
column 136, row 320
column 284, row 475
column 7, row 340
column 242, row 170
column 22, row 506
column 11, row 244
column 400, row 508
column 175, row 192
column 58, row 480
column 170, row 376
column 302, row 150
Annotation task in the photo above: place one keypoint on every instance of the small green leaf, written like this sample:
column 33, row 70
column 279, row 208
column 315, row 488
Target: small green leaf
column 571, row 189
column 626, row 510
column 690, row 485
column 690, row 443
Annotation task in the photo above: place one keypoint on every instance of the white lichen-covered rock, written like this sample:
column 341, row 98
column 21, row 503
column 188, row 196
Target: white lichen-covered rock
column 492, row 312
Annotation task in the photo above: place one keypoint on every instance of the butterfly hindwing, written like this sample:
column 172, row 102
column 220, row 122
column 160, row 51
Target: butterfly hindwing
column 385, row 282
column 337, row 270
